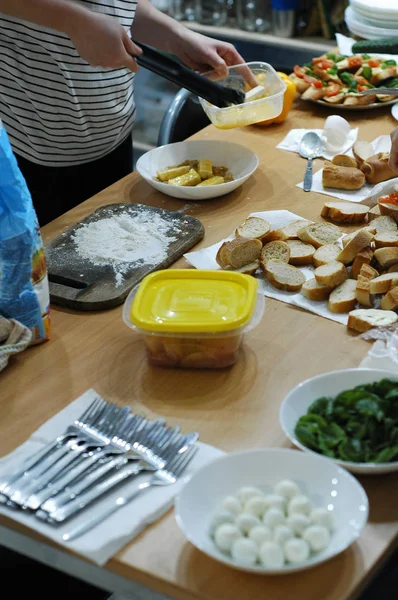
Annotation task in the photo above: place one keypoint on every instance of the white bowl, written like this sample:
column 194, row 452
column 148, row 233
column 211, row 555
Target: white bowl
column 241, row 161
column 327, row 485
column 299, row 399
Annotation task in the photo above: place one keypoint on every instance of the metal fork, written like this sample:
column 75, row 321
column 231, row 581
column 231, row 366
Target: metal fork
column 163, row 477
column 382, row 91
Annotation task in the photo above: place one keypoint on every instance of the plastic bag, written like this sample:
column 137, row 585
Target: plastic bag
column 24, row 292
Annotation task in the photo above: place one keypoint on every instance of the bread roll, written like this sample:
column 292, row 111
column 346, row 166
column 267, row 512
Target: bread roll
column 342, row 178
column 342, row 160
column 377, row 169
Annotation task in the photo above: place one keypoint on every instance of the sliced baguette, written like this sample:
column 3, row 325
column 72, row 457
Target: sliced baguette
column 390, row 300
column 319, row 234
column 253, row 228
column 363, row 258
column 359, row 242
column 393, row 268
column 277, row 250
column 344, row 212
column 374, row 213
column 343, row 297
column 362, row 292
column 284, row 276
column 326, row 254
column 291, row 230
column 386, row 256
column 388, row 210
column 331, row 274
column 386, row 238
column 315, row 291
column 362, row 151
column 277, row 235
column 238, row 253
column 249, row 269
column 384, row 223
column 300, row 252
column 368, row 272
column 362, row 319
column 383, row 283
column 342, row 160
column 350, row 236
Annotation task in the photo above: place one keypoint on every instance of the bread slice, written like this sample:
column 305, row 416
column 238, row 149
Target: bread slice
column 284, row 276
column 350, row 236
column 326, row 254
column 277, row 235
column 342, row 160
column 238, row 253
column 384, row 223
column 362, row 319
column 253, row 228
column 383, row 283
column 314, row 291
column 343, row 297
column 363, row 258
column 362, row 292
column 390, row 300
column 291, row 230
column 393, row 268
column 374, row 213
column 386, row 238
column 249, row 269
column 319, row 234
column 344, row 212
column 386, row 256
column 388, row 210
column 368, row 272
column 331, row 274
column 277, row 250
column 359, row 242
column 300, row 252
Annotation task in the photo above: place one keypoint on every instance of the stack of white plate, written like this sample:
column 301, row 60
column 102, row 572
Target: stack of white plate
column 373, row 20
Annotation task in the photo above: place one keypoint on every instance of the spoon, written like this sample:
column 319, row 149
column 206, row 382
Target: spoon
column 311, row 146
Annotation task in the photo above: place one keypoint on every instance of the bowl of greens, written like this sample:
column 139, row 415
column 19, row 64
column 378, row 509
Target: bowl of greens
column 349, row 416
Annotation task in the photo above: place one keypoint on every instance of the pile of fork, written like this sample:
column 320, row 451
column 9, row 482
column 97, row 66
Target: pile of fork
column 106, row 446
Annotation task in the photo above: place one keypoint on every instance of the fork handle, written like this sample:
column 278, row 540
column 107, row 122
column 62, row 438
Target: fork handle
column 308, row 176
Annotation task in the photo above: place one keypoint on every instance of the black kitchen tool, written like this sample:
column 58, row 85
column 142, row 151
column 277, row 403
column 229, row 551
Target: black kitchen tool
column 166, row 67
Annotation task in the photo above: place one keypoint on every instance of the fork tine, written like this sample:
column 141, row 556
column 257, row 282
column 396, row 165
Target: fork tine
column 91, row 409
column 183, row 461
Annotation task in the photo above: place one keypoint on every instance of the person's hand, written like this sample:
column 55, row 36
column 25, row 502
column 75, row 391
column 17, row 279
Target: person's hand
column 394, row 150
column 103, row 42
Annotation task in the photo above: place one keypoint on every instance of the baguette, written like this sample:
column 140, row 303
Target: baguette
column 360, row 241
column 291, row 230
column 254, row 228
column 342, row 178
column 342, row 160
column 386, row 257
column 374, row 213
column 362, row 292
column 368, row 272
column 377, row 169
column 277, row 235
column 301, row 253
column 319, row 234
column 383, row 283
column 343, row 297
column 274, row 251
column 386, row 238
column 326, row 254
column 362, row 320
column 284, row 276
column 315, row 291
column 331, row 274
column 363, row 258
column 238, row 253
column 393, row 268
column 390, row 300
column 384, row 223
column 249, row 269
column 344, row 212
column 362, row 151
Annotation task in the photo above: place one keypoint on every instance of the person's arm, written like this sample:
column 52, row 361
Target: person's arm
column 99, row 39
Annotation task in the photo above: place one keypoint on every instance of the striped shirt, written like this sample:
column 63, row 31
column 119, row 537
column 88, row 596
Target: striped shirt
column 56, row 108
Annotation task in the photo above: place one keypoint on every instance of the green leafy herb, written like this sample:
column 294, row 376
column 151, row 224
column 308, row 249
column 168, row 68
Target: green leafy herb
column 333, row 70
column 393, row 83
column 365, row 56
column 388, row 63
column 349, row 80
column 331, row 56
column 367, row 72
column 339, row 58
column 358, row 425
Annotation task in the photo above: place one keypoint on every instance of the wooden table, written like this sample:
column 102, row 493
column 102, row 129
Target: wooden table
column 234, row 409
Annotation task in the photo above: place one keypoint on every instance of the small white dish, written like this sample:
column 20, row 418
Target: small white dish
column 241, row 161
column 301, row 397
column 394, row 111
column 326, row 484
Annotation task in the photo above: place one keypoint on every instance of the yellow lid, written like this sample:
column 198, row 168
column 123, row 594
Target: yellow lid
column 190, row 300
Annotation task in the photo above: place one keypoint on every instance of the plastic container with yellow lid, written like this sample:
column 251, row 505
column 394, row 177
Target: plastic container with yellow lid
column 194, row 319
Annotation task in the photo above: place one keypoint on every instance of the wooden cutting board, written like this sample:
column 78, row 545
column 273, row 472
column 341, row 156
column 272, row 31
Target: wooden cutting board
column 79, row 284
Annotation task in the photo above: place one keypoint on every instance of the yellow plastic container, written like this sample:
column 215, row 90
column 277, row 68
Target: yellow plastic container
column 194, row 319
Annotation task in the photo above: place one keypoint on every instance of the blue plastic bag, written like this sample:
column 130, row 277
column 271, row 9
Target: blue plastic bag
column 24, row 293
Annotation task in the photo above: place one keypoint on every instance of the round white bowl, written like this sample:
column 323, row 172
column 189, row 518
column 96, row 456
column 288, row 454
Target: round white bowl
column 301, row 397
column 326, row 484
column 241, row 161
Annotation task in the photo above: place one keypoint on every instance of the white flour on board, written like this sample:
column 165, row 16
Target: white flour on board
column 121, row 240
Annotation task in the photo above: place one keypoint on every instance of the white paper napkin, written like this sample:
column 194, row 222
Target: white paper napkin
column 292, row 141
column 206, row 259
column 379, row 357
column 345, row 47
column 380, row 144
column 106, row 539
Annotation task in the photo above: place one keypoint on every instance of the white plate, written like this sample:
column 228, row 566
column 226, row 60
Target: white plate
column 241, row 161
column 394, row 112
column 327, row 485
column 299, row 399
column 361, row 107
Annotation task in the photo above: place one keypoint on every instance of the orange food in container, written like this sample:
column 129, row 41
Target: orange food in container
column 194, row 319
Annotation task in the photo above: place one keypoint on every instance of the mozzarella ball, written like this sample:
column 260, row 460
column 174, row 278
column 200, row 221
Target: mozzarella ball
column 245, row 493
column 276, row 501
column 220, row 518
column 272, row 556
column 317, row 537
column 256, row 506
column 246, row 522
column 273, row 517
column 232, row 505
column 245, row 552
column 282, row 533
column 226, row 535
column 298, row 523
column 323, row 517
column 260, row 534
column 287, row 489
column 299, row 505
column 296, row 550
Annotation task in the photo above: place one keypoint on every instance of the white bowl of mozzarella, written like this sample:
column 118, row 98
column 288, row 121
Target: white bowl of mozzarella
column 272, row 511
